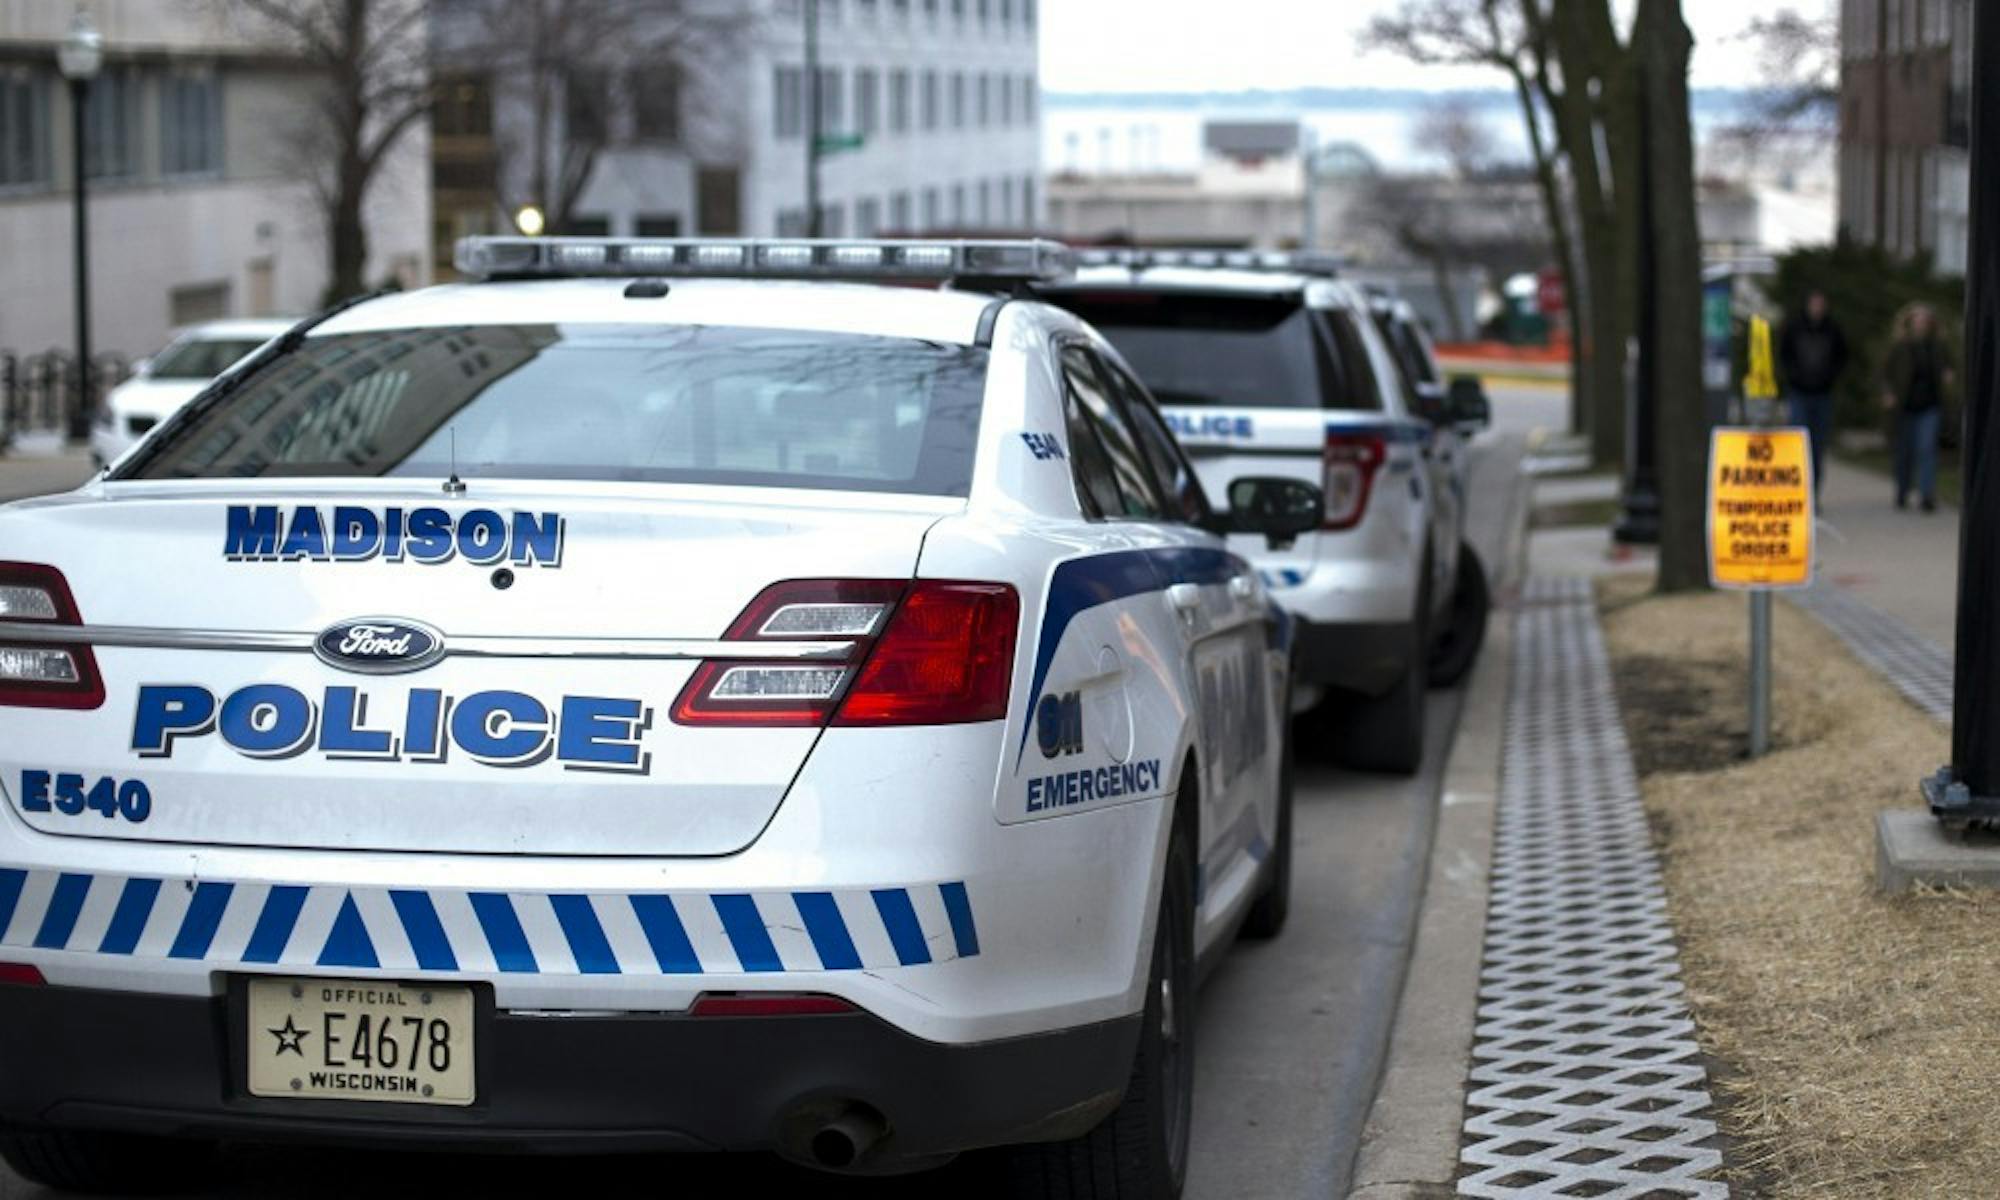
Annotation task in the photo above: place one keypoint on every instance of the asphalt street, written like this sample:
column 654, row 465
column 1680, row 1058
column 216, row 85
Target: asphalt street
column 1291, row 1033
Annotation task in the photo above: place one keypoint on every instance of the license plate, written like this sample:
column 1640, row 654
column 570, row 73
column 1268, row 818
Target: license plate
column 347, row 1039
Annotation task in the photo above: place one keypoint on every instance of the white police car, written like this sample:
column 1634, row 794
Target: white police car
column 1270, row 363
column 613, row 706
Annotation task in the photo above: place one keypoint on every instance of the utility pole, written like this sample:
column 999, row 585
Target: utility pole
column 812, row 118
column 1639, row 501
column 1968, row 791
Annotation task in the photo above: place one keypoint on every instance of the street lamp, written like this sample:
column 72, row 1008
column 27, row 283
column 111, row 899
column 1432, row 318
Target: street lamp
column 79, row 57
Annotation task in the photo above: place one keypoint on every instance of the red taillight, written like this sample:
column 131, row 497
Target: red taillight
column 923, row 653
column 22, row 973
column 946, row 658
column 1351, row 462
column 768, row 1004
column 41, row 674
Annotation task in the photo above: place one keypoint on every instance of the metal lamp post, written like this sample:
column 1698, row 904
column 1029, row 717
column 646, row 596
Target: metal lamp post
column 79, row 57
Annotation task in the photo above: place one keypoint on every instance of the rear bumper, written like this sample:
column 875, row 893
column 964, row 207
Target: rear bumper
column 1358, row 656
column 87, row 1059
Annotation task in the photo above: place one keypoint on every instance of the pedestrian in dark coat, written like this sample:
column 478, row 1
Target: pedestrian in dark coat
column 1812, row 352
column 1914, row 380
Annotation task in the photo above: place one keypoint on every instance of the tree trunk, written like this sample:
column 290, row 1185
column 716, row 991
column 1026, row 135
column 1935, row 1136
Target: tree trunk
column 349, row 236
column 1558, row 219
column 1441, row 279
column 1662, row 40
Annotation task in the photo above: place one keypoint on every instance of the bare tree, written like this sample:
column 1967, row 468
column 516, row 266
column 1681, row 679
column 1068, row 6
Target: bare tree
column 1453, row 130
column 369, row 56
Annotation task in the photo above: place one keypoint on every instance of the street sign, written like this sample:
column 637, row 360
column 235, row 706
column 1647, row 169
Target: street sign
column 1760, row 508
column 834, row 143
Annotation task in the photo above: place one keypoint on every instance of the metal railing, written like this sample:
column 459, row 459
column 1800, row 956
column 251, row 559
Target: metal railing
column 39, row 393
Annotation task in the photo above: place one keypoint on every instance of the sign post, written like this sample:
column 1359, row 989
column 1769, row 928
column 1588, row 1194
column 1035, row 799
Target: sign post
column 1760, row 521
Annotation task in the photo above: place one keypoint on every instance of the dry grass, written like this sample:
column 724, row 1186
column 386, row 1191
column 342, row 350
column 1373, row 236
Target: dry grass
column 1849, row 1029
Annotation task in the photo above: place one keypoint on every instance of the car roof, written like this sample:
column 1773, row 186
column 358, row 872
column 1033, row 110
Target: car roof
column 927, row 314
column 235, row 328
column 1210, row 280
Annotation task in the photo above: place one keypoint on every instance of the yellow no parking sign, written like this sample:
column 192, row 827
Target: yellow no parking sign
column 1760, row 508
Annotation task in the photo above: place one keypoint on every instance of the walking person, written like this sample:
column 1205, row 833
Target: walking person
column 1914, row 380
column 1812, row 352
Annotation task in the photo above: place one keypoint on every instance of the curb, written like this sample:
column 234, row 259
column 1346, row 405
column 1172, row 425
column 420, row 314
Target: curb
column 1410, row 1143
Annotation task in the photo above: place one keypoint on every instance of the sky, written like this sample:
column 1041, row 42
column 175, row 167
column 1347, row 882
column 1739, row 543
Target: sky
column 1228, row 45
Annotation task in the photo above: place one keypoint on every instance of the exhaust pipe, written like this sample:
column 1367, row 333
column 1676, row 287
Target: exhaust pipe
column 848, row 1138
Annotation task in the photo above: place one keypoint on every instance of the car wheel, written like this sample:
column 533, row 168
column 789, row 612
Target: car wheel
column 1457, row 647
column 1267, row 915
column 77, row 1161
column 1140, row 1151
column 1386, row 732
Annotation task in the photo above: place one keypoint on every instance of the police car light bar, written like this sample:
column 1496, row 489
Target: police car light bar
column 760, row 258
column 1300, row 262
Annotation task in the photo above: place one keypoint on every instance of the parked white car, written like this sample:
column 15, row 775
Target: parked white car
column 172, row 377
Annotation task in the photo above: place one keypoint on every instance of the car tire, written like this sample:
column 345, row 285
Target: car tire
column 1457, row 646
column 1274, row 904
column 1386, row 733
column 1140, row 1151
column 98, row 1163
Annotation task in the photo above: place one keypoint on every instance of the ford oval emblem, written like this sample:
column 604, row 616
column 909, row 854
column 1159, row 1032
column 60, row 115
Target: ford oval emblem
column 379, row 645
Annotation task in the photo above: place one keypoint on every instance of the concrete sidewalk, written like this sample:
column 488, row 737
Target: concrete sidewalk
column 23, row 475
column 1900, row 562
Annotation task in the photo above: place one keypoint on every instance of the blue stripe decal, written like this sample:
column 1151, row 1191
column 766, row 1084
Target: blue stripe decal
column 958, row 907
column 511, row 951
column 204, row 914
column 128, row 920
column 829, row 933
column 348, row 944
column 275, row 924
column 747, row 935
column 11, row 879
column 900, row 917
column 60, row 919
column 1079, row 584
column 425, row 931
column 586, row 937
column 666, row 934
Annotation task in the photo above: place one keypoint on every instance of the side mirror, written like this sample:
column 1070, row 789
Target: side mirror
column 1470, row 409
column 1281, row 509
column 1434, row 404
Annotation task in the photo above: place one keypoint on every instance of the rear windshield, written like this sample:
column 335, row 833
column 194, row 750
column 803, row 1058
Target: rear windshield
column 200, row 358
column 1234, row 351
column 664, row 404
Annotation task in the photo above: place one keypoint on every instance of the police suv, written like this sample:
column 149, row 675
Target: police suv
column 655, row 696
column 1271, row 363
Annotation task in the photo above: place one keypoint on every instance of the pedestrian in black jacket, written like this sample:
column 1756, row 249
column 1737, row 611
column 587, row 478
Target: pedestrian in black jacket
column 1812, row 352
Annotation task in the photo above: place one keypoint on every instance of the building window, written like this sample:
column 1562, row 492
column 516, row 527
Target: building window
column 1007, row 201
column 1006, row 11
column 958, row 205
column 24, row 128
column 985, row 94
column 657, row 225
column 1028, row 13
column 931, row 213
column 899, row 212
column 985, row 205
column 958, row 100
column 791, row 222
column 984, row 8
column 1027, row 97
column 831, row 114
column 899, row 101
column 111, row 115
column 464, row 106
column 931, row 10
column 195, row 302
column 656, row 103
column 930, row 105
column 958, row 9
column 787, row 102
column 867, row 217
column 190, row 124
column 867, row 102
column 587, row 107
column 832, row 220
column 1006, row 99
column 1029, row 219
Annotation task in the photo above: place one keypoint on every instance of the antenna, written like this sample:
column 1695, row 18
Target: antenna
column 454, row 486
